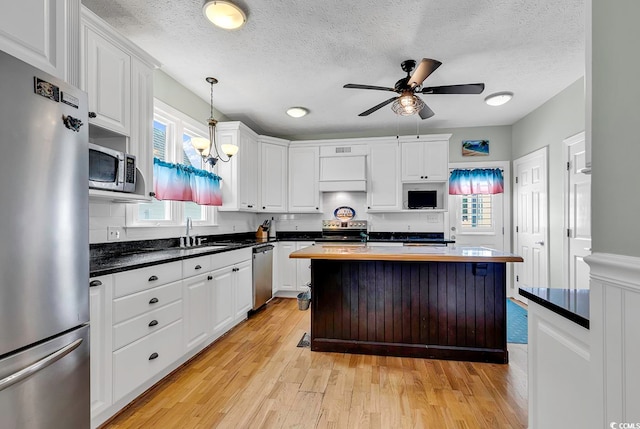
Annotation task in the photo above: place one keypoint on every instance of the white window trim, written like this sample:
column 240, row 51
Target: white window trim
column 178, row 124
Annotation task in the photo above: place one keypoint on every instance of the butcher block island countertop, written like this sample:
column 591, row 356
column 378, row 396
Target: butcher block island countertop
column 415, row 301
column 361, row 252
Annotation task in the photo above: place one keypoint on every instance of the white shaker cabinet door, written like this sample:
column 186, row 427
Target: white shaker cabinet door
column 107, row 79
column 196, row 303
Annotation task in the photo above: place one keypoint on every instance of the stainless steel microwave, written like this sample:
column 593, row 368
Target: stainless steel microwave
column 111, row 170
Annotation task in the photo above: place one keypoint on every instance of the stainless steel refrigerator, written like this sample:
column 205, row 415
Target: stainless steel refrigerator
column 44, row 250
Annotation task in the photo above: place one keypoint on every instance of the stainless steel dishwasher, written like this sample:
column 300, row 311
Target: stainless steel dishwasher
column 262, row 274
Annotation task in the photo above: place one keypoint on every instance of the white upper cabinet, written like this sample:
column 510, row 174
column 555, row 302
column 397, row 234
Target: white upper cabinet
column 273, row 174
column 118, row 78
column 383, row 186
column 43, row 33
column 304, row 195
column 240, row 174
column 107, row 79
column 425, row 160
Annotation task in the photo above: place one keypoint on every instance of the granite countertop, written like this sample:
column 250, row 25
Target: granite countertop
column 106, row 260
column 360, row 252
column 572, row 304
column 378, row 237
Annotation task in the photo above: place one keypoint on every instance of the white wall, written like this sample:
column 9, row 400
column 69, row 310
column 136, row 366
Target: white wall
column 559, row 118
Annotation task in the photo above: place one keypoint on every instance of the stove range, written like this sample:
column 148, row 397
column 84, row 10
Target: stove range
column 343, row 231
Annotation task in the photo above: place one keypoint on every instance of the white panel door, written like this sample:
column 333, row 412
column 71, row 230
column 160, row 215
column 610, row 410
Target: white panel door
column 286, row 266
column 531, row 220
column 273, row 164
column 578, row 204
column 304, row 168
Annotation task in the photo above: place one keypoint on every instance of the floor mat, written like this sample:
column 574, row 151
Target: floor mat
column 516, row 323
column 305, row 341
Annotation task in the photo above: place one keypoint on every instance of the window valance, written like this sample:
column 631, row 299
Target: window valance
column 178, row 182
column 476, row 181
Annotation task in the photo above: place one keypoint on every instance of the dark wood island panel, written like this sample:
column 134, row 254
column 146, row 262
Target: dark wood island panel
column 443, row 310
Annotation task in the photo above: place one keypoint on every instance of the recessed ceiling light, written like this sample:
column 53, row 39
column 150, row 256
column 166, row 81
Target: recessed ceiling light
column 224, row 14
column 297, row 112
column 499, row 98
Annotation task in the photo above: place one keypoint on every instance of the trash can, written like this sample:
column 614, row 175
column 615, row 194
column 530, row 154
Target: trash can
column 304, row 298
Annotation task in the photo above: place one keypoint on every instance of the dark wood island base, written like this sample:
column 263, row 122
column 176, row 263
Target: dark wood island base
column 442, row 310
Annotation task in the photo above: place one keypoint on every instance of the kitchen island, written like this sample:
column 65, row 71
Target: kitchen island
column 416, row 301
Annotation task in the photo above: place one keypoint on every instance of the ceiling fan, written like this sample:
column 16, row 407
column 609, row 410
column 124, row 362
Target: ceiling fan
column 408, row 103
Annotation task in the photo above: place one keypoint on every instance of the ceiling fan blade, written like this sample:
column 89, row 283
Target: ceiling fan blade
column 424, row 69
column 426, row 112
column 379, row 88
column 471, row 88
column 374, row 108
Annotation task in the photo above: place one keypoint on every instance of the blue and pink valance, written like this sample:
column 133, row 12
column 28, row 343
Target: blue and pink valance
column 179, row 182
column 476, row 181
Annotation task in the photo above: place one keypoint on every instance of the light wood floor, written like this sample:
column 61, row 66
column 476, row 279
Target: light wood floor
column 256, row 377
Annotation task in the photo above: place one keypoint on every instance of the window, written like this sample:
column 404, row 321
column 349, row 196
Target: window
column 476, row 212
column 172, row 133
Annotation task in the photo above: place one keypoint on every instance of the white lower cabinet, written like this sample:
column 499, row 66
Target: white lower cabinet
column 232, row 296
column 222, row 294
column 100, row 334
column 293, row 274
column 196, row 310
column 141, row 360
column 243, row 290
column 147, row 322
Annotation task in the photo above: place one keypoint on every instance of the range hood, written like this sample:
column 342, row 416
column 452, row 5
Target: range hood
column 343, row 173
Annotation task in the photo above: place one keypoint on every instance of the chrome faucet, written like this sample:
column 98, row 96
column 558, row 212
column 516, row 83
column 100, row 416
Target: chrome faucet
column 189, row 228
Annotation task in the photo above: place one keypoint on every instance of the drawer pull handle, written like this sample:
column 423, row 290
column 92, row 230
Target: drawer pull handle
column 209, row 277
column 198, row 267
column 153, row 301
column 153, row 278
column 153, row 323
column 153, row 356
column 95, row 283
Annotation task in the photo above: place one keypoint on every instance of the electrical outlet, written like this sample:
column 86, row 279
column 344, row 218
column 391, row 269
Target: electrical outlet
column 114, row 233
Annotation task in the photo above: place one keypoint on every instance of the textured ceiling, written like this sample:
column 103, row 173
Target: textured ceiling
column 301, row 53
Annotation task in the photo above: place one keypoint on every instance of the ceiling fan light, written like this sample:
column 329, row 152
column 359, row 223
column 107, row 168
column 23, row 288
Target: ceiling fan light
column 407, row 105
column 499, row 98
column 224, row 14
column 297, row 112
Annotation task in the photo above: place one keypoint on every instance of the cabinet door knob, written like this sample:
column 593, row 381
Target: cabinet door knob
column 92, row 115
column 153, row 278
column 153, row 356
column 153, row 323
column 264, row 208
column 317, row 208
column 198, row 267
column 209, row 277
column 95, row 283
column 152, row 194
column 153, row 301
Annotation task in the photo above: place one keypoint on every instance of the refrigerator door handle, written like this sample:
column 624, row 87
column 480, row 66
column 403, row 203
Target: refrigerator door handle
column 41, row 364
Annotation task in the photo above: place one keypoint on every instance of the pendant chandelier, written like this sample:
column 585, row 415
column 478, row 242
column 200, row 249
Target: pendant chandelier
column 204, row 146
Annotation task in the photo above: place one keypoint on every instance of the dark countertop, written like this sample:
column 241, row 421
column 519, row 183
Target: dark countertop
column 115, row 257
column 390, row 237
column 109, row 258
column 572, row 304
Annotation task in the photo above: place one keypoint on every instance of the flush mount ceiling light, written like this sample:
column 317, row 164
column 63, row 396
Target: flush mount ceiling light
column 224, row 14
column 297, row 112
column 204, row 146
column 499, row 98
